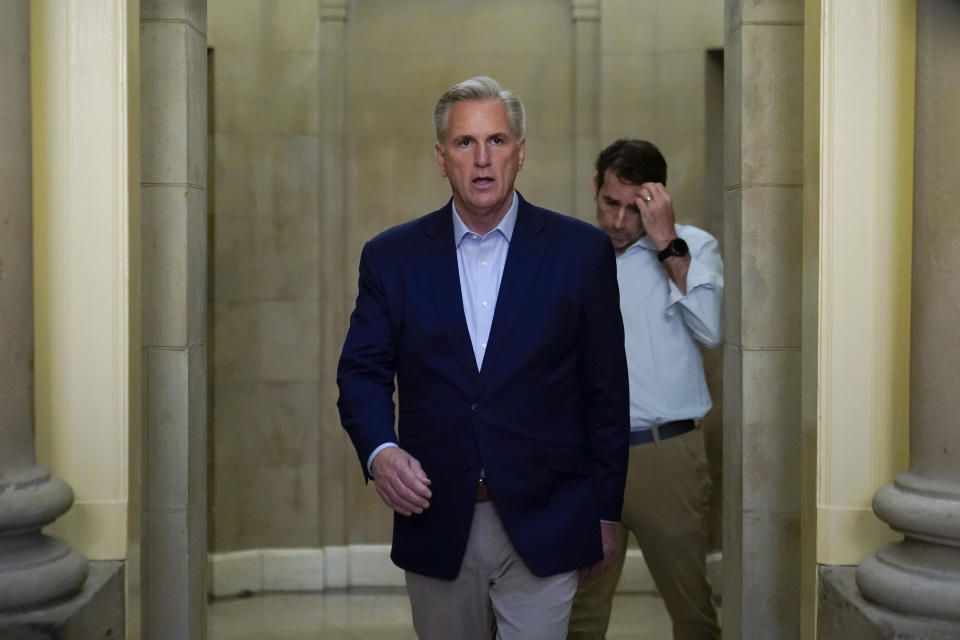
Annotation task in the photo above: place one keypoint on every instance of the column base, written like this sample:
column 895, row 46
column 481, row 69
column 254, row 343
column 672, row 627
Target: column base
column 844, row 614
column 36, row 569
column 921, row 507
column 97, row 611
column 915, row 578
column 30, row 499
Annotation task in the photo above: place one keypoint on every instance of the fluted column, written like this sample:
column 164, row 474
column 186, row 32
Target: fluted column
column 920, row 576
column 34, row 568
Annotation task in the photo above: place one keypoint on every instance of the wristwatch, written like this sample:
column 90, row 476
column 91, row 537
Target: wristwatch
column 677, row 247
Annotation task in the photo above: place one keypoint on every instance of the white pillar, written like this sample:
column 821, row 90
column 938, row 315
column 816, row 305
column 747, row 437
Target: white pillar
column 34, row 568
column 920, row 576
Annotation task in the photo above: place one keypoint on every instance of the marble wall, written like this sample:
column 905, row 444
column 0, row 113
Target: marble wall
column 306, row 170
column 264, row 273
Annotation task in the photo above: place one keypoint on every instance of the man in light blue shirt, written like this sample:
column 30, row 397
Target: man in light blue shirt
column 671, row 295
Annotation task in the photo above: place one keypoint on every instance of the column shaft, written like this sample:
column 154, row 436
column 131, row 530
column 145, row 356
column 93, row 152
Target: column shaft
column 33, row 568
column 335, row 302
column 586, row 103
column 762, row 307
column 920, row 576
column 173, row 188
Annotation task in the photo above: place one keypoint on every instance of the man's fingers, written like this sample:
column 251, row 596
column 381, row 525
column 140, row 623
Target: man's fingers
column 409, row 491
column 403, row 502
column 416, row 480
column 401, row 481
column 418, row 471
column 398, row 504
column 389, row 500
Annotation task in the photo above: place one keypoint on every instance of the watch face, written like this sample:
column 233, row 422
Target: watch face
column 676, row 248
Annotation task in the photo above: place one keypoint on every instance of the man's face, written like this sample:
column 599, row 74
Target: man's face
column 617, row 211
column 480, row 156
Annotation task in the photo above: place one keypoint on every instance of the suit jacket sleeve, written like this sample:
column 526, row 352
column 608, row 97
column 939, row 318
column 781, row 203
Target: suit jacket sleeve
column 606, row 385
column 367, row 366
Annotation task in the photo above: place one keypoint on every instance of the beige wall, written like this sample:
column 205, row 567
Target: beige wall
column 265, row 274
column 283, row 474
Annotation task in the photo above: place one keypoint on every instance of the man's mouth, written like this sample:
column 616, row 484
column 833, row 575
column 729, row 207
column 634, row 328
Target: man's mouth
column 482, row 182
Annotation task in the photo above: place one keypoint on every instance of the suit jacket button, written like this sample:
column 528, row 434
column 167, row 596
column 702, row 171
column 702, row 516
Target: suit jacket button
column 475, row 408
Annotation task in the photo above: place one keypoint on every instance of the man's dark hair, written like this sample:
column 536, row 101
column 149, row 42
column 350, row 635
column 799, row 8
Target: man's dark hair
column 633, row 161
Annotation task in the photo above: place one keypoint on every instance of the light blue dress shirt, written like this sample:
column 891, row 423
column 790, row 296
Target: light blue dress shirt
column 480, row 262
column 664, row 329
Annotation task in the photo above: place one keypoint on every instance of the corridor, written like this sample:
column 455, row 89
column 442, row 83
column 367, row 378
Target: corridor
column 382, row 614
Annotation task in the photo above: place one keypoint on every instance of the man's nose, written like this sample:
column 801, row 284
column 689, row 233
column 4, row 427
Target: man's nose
column 482, row 156
column 620, row 219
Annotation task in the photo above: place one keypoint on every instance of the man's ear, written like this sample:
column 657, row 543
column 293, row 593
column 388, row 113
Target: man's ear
column 438, row 153
column 596, row 187
column 521, row 151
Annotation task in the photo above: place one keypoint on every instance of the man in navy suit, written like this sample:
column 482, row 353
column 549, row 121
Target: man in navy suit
column 500, row 323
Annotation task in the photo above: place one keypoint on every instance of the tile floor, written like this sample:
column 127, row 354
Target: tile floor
column 382, row 614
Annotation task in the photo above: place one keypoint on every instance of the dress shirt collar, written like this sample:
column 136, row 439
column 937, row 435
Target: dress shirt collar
column 505, row 227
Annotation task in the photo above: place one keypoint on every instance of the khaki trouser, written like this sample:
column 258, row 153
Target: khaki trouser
column 494, row 593
column 665, row 506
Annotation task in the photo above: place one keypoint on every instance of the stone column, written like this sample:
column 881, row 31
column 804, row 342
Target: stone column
column 586, row 105
column 920, row 576
column 34, row 568
column 763, row 111
column 335, row 302
column 173, row 188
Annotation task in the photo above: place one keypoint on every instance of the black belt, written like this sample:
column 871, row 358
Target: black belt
column 664, row 431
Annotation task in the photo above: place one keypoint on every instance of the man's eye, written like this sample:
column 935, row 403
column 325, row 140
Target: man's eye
column 463, row 143
column 496, row 140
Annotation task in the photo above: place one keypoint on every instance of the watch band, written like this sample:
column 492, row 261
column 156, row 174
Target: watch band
column 677, row 247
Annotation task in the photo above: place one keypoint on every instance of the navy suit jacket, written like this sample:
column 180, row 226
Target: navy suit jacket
column 547, row 416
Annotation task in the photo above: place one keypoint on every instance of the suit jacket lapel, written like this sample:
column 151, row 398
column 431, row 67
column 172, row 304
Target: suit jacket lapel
column 440, row 262
column 527, row 248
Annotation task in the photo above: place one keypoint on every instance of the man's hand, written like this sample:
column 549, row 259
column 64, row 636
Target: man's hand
column 400, row 481
column 656, row 212
column 608, row 534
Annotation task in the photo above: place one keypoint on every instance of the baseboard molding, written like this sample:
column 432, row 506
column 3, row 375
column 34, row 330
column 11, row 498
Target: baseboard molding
column 360, row 565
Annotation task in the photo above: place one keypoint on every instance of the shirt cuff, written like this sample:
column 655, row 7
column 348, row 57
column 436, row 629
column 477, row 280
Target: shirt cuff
column 374, row 455
column 698, row 275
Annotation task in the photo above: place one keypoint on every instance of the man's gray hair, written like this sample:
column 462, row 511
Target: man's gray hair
column 478, row 88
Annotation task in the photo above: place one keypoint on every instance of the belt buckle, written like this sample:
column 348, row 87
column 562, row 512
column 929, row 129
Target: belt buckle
column 483, row 492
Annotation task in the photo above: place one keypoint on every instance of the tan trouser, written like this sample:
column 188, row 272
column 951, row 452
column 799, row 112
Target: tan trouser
column 494, row 593
column 665, row 506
